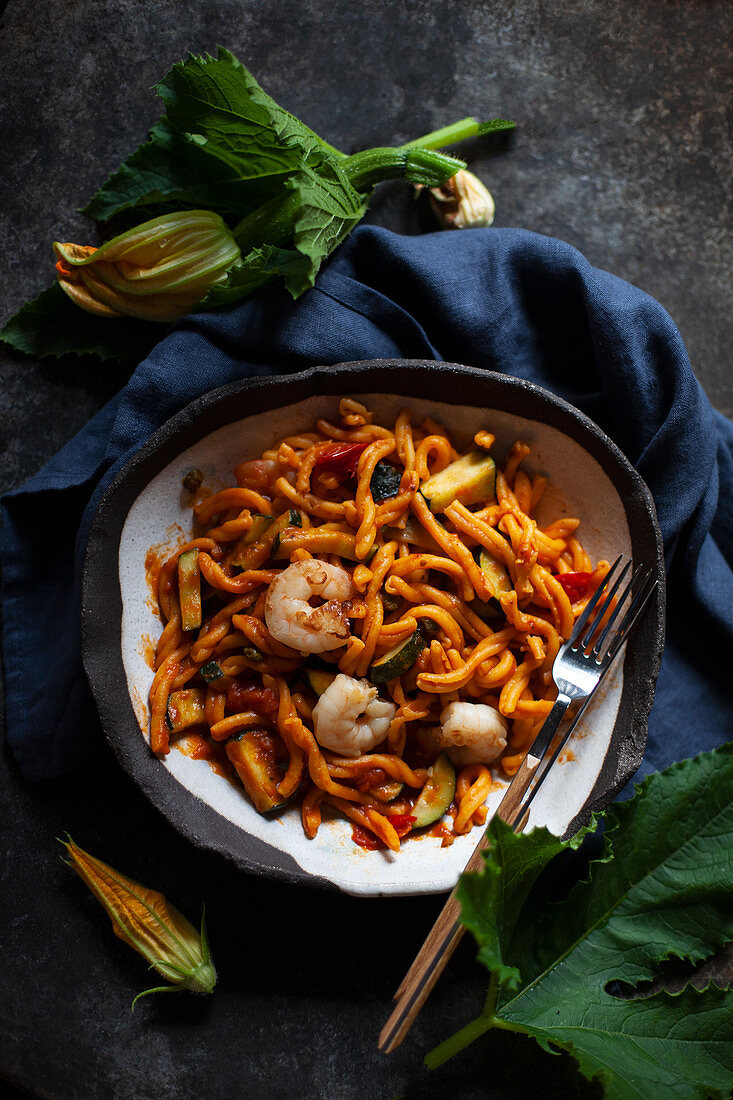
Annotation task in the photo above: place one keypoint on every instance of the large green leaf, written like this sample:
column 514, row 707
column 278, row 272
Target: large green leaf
column 224, row 144
column 51, row 325
column 220, row 100
column 328, row 210
column 171, row 168
column 260, row 268
column 664, row 890
column 502, row 888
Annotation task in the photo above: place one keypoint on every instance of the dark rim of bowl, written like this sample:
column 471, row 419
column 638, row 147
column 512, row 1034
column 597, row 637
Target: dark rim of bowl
column 448, row 382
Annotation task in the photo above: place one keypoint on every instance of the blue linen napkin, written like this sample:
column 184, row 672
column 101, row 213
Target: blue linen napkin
column 506, row 300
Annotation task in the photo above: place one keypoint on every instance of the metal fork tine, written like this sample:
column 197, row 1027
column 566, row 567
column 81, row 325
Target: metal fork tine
column 633, row 612
column 609, row 594
column 598, row 647
column 588, row 609
column 635, row 609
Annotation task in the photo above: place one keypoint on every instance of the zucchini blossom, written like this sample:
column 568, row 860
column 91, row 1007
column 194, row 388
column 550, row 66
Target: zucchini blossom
column 462, row 202
column 146, row 921
column 157, row 271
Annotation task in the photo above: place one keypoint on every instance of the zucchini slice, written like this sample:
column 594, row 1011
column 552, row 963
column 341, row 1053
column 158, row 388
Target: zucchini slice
column 287, row 519
column 211, row 671
column 254, row 548
column 399, row 659
column 388, row 791
column 413, row 534
column 260, row 760
column 486, row 609
column 471, row 479
column 319, row 680
column 185, row 708
column 260, row 523
column 498, row 579
column 437, row 794
column 189, row 589
column 319, row 540
column 385, row 481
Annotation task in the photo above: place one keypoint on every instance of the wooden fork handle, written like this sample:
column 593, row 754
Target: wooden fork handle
column 446, row 933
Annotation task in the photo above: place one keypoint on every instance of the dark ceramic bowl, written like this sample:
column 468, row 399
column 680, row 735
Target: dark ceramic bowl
column 144, row 506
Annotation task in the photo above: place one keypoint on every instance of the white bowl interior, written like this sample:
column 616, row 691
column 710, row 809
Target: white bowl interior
column 160, row 518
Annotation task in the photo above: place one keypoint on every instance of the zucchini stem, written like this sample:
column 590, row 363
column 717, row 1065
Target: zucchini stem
column 446, row 135
column 417, row 165
column 272, row 223
column 459, row 131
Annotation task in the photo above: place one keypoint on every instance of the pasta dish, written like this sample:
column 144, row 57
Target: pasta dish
column 365, row 625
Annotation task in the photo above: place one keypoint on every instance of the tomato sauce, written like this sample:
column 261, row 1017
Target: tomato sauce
column 154, row 561
column 371, row 777
column 197, row 747
column 401, row 823
column 441, row 832
column 244, row 693
column 366, row 839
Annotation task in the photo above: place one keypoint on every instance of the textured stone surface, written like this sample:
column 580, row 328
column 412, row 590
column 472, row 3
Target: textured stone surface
column 623, row 149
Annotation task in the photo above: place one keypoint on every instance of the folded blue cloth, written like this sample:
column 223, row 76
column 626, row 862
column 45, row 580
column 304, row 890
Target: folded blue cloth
column 506, row 300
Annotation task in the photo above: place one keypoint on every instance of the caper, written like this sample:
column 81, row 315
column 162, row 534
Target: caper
column 193, row 480
column 390, row 602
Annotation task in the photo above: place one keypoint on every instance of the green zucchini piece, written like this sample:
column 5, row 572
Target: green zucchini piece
column 486, row 609
column 437, row 794
column 498, row 579
column 211, row 671
column 189, row 589
column 388, row 791
column 385, row 481
column 260, row 523
column 318, row 541
column 287, row 519
column 319, row 680
column 185, row 708
column 251, row 552
column 471, row 479
column 413, row 534
column 399, row 659
column 260, row 760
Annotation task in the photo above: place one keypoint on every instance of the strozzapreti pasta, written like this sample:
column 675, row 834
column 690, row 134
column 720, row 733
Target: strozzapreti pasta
column 366, row 625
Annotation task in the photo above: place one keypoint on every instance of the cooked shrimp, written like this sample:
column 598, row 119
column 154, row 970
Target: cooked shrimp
column 349, row 718
column 472, row 733
column 293, row 621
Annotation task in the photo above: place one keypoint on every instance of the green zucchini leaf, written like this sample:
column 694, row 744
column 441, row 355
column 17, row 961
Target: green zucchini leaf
column 260, row 268
column 663, row 890
column 169, row 168
column 51, row 325
column 223, row 144
column 501, row 889
column 329, row 208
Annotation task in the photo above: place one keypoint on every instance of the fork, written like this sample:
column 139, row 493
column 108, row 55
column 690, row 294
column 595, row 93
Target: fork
column 580, row 665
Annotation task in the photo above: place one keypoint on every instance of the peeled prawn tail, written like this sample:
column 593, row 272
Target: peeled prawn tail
column 295, row 733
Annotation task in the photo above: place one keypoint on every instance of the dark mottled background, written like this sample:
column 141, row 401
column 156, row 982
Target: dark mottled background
column 623, row 149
